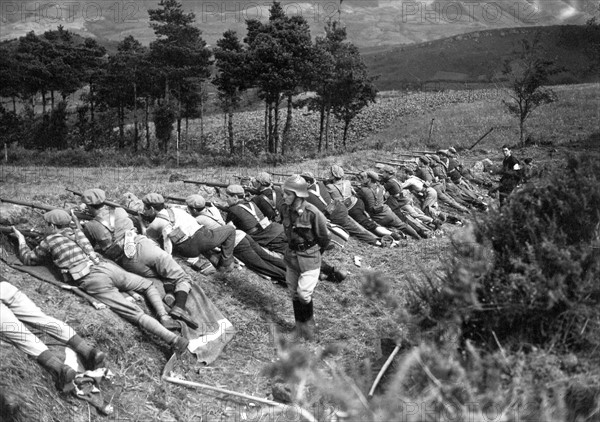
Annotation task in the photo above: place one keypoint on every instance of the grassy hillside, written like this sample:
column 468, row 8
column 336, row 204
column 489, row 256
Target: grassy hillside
column 476, row 58
column 353, row 316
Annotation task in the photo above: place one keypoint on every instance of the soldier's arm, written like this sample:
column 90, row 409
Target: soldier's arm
column 37, row 256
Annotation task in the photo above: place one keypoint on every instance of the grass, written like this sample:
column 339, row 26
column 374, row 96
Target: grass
column 348, row 320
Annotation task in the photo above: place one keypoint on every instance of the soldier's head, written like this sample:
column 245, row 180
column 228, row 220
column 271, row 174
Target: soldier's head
column 153, row 203
column 452, row 151
column 368, row 177
column 262, row 180
column 234, row 194
column 506, row 150
column 309, row 177
column 336, row 172
column 195, row 204
column 57, row 219
column 294, row 187
column 387, row 172
column 93, row 199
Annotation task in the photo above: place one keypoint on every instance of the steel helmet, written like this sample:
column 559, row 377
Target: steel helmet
column 296, row 184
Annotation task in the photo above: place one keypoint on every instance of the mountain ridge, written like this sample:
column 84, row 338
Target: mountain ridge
column 370, row 23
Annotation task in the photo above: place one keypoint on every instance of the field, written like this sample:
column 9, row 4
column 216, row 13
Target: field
column 352, row 321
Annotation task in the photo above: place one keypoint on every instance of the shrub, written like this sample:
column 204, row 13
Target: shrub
column 528, row 272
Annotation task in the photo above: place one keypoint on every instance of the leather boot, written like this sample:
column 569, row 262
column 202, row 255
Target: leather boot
column 154, row 327
column 297, row 333
column 63, row 374
column 308, row 326
column 92, row 358
column 155, row 300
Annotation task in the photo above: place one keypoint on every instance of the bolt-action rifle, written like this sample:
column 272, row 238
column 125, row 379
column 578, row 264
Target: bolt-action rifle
column 136, row 214
column 26, row 233
column 44, row 207
column 208, row 203
column 219, row 185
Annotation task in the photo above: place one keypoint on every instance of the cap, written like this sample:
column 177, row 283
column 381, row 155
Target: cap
column 372, row 175
column 235, row 190
column 264, row 178
column 57, row 217
column 452, row 150
column 195, row 201
column 424, row 159
column 153, row 199
column 388, row 169
column 308, row 175
column 337, row 171
column 93, row 197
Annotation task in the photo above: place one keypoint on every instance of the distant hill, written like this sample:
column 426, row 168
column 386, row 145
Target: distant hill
column 476, row 58
column 370, row 22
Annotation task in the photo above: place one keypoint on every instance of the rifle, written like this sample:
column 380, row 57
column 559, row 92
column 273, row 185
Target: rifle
column 109, row 203
column 395, row 164
column 26, row 233
column 44, row 207
column 208, row 204
column 218, row 185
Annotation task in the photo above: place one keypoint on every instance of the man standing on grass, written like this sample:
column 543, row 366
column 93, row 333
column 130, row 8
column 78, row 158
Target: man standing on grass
column 16, row 310
column 73, row 254
column 307, row 235
column 511, row 174
column 112, row 232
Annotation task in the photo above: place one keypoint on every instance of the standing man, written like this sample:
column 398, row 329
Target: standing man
column 511, row 174
column 306, row 230
column 73, row 254
column 16, row 310
column 113, row 234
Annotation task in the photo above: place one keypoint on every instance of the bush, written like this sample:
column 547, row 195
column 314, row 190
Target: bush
column 528, row 272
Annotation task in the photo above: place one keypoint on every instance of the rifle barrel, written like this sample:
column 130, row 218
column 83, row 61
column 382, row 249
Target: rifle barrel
column 107, row 202
column 211, row 184
column 28, row 233
column 28, row 204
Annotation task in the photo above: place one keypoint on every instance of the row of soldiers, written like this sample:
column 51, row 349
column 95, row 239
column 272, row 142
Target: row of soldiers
column 279, row 233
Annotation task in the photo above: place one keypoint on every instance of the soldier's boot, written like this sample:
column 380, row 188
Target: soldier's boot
column 92, row 358
column 157, row 304
column 408, row 230
column 179, row 312
column 154, row 327
column 297, row 331
column 63, row 374
column 332, row 273
column 382, row 231
column 308, row 326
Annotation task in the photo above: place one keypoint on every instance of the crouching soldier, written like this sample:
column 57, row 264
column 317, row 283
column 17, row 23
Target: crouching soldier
column 17, row 312
column 112, row 232
column 180, row 233
column 254, row 256
column 73, row 254
column 307, row 235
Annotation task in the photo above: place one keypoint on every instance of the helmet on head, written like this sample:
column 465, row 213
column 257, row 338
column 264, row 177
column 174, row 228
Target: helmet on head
column 264, row 178
column 195, row 201
column 153, row 199
column 336, row 171
column 57, row 217
column 93, row 197
column 296, row 184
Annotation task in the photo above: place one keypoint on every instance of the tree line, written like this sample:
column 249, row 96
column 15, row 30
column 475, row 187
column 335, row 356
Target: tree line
column 165, row 84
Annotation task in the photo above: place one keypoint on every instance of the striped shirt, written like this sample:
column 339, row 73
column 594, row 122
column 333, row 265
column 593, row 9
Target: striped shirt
column 60, row 248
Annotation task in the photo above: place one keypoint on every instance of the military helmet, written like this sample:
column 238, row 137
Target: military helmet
column 295, row 183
